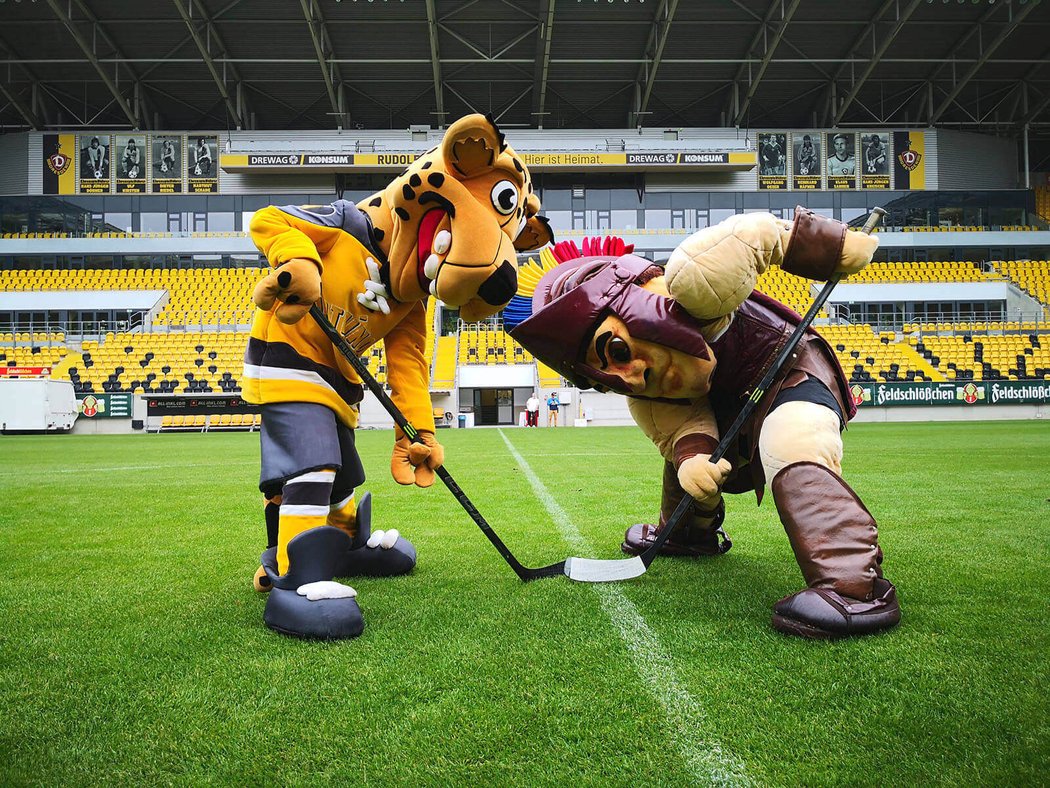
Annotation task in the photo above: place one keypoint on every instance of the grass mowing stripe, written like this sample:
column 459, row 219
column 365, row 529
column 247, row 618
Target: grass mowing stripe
column 706, row 759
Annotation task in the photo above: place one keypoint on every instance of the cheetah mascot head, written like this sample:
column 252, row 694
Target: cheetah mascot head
column 452, row 223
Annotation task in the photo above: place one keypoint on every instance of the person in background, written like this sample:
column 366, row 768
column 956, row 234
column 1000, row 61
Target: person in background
column 132, row 160
column 167, row 156
column 553, row 403
column 202, row 163
column 532, row 411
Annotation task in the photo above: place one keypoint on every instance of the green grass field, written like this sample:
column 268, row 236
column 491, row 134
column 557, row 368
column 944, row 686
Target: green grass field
column 133, row 649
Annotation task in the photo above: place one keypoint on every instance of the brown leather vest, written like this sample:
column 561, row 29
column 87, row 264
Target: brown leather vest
column 760, row 328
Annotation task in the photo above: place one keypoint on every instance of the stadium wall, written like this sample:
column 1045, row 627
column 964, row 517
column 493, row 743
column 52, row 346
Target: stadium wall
column 15, row 161
column 952, row 159
column 972, row 161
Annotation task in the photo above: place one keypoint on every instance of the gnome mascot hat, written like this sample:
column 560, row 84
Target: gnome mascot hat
column 561, row 302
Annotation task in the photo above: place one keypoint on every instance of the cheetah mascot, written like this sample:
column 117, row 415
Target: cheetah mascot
column 449, row 226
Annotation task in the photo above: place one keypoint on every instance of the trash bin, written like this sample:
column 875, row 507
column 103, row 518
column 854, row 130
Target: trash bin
column 462, row 420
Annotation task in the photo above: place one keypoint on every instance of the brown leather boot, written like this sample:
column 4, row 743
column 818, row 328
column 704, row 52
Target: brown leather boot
column 835, row 541
column 695, row 536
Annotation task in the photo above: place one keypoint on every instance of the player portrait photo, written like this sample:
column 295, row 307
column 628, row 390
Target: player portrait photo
column 876, row 154
column 841, row 163
column 131, row 152
column 167, row 157
column 772, row 154
column 807, row 154
column 842, row 160
column 94, row 157
column 202, row 164
column 131, row 161
column 201, row 161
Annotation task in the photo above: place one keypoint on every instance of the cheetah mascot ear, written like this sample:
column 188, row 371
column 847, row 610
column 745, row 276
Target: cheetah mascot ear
column 470, row 148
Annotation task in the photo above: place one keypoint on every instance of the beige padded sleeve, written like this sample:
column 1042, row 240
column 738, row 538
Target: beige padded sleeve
column 665, row 423
column 714, row 270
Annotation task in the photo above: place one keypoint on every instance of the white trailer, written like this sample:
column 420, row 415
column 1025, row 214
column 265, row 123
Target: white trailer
column 37, row 405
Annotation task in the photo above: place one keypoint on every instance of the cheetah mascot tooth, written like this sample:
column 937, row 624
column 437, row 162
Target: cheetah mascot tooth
column 450, row 227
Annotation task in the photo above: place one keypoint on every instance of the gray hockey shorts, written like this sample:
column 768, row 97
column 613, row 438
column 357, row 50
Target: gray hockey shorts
column 299, row 437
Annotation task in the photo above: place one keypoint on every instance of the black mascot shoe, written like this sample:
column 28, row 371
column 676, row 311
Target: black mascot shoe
column 822, row 613
column 305, row 602
column 360, row 560
column 688, row 542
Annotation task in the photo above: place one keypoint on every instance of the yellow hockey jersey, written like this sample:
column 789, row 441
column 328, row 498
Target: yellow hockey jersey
column 298, row 363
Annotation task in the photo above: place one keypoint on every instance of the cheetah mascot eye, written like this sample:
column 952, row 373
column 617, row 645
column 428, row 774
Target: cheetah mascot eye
column 505, row 197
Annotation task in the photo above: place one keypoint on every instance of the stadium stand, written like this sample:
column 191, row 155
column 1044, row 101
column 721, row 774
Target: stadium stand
column 171, row 360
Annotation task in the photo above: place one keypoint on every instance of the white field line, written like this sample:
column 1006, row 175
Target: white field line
column 705, row 758
column 94, row 469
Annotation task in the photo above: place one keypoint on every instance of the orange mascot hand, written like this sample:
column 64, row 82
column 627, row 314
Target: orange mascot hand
column 414, row 463
column 296, row 284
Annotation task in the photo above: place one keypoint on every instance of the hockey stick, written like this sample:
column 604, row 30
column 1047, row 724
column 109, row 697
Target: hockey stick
column 756, row 398
column 586, row 570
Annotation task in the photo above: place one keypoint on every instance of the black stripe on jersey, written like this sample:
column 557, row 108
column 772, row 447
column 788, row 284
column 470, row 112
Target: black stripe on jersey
column 282, row 355
column 307, row 493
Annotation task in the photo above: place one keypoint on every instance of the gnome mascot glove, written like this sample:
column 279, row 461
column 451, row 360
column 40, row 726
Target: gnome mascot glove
column 296, row 284
column 703, row 479
column 414, row 462
column 857, row 251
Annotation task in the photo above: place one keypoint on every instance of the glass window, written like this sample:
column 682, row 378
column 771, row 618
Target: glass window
column 657, row 219
column 221, row 221
column 118, row 221
column 154, row 222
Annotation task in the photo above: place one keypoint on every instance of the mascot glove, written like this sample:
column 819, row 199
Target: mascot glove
column 414, row 463
column 857, row 251
column 703, row 479
column 296, row 284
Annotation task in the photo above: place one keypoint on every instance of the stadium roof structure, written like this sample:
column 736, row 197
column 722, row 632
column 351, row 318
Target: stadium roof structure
column 558, row 64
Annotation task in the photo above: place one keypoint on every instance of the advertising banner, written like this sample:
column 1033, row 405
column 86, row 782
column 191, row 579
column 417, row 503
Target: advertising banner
column 131, row 153
column 94, row 163
column 976, row 392
column 202, row 170
column 105, row 406
column 841, row 165
column 713, row 160
column 807, row 164
column 772, row 161
column 25, row 372
column 60, row 174
column 875, row 158
column 197, row 406
column 909, row 165
column 166, row 163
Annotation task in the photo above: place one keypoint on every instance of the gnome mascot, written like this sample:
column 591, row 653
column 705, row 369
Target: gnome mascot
column 688, row 344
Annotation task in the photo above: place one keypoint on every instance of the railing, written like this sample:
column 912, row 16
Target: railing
column 139, row 322
column 989, row 322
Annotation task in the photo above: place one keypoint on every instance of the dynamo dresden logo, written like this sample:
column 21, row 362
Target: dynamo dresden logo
column 909, row 159
column 58, row 162
column 92, row 406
